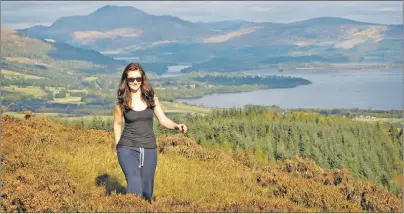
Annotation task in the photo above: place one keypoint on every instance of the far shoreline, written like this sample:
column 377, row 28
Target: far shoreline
column 351, row 67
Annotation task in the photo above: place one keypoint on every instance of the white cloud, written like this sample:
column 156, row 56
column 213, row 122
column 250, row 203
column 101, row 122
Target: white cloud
column 389, row 9
column 259, row 9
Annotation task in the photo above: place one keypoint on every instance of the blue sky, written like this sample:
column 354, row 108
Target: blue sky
column 17, row 15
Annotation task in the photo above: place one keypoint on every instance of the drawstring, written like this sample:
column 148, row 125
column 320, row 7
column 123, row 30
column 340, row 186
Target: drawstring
column 141, row 158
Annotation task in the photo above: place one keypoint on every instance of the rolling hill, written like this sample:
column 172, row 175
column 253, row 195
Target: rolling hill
column 19, row 50
column 56, row 171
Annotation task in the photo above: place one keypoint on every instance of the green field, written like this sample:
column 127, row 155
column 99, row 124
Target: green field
column 90, row 78
column 76, row 91
column 395, row 122
column 376, row 119
column 14, row 75
column 170, row 107
column 54, row 89
column 29, row 90
column 67, row 100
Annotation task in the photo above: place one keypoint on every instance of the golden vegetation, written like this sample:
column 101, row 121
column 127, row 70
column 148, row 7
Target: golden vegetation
column 230, row 35
column 86, row 37
column 48, row 167
column 357, row 36
column 26, row 60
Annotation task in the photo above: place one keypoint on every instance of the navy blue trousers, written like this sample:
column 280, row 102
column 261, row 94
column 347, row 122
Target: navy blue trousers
column 139, row 167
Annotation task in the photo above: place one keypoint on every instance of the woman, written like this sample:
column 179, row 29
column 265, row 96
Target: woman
column 136, row 145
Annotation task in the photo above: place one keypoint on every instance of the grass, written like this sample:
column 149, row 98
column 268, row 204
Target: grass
column 25, row 60
column 55, row 170
column 90, row 117
column 14, row 75
column 170, row 107
column 380, row 119
column 67, row 100
column 90, row 78
column 54, row 89
column 52, row 114
column 176, row 176
column 395, row 122
column 188, row 173
column 77, row 91
column 29, row 90
column 21, row 115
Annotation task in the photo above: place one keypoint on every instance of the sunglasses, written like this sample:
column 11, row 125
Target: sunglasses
column 132, row 79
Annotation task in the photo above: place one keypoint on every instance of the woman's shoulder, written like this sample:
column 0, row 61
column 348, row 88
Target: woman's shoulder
column 117, row 107
column 155, row 98
column 121, row 108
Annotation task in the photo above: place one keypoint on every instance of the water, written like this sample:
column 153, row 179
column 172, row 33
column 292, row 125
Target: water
column 174, row 70
column 376, row 89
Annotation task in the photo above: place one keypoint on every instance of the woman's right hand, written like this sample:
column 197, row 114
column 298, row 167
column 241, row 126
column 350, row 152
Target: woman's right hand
column 182, row 128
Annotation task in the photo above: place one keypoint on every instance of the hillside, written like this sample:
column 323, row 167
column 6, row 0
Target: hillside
column 127, row 31
column 53, row 77
column 56, row 76
column 56, row 171
column 47, row 56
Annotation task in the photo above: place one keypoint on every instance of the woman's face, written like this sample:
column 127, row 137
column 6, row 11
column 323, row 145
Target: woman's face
column 134, row 80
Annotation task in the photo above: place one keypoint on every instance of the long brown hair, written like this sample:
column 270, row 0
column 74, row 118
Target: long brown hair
column 124, row 96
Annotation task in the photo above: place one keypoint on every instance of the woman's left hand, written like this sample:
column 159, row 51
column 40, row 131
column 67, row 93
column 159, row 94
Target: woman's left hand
column 182, row 128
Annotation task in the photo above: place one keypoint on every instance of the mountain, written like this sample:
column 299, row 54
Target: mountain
column 328, row 21
column 127, row 31
column 118, row 26
column 46, row 168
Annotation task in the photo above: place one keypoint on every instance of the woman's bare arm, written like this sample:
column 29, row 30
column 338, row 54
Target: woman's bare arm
column 117, row 123
column 164, row 120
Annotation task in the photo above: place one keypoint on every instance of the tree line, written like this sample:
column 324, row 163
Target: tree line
column 368, row 151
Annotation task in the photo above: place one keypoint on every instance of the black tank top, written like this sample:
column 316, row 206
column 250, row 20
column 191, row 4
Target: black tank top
column 138, row 131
